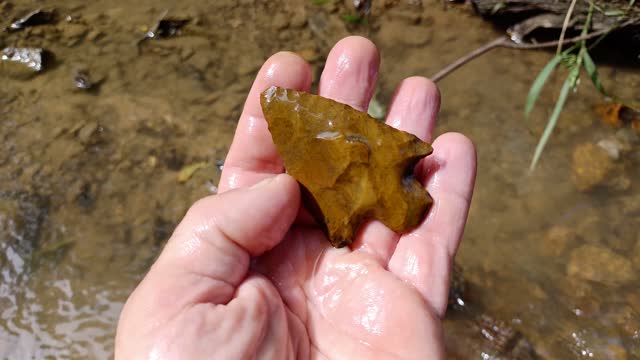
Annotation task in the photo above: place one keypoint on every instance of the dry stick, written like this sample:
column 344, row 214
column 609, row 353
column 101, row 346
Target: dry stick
column 470, row 56
column 565, row 26
column 504, row 41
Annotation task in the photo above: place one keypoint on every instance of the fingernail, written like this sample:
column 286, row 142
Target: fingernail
column 264, row 182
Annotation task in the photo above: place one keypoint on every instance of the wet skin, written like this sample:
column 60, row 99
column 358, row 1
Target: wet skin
column 247, row 275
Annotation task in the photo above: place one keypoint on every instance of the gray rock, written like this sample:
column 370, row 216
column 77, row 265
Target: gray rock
column 611, row 146
column 29, row 59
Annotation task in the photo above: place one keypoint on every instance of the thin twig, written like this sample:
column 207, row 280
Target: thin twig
column 565, row 26
column 470, row 56
column 505, row 42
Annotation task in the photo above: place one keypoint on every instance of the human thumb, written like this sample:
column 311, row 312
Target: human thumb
column 209, row 253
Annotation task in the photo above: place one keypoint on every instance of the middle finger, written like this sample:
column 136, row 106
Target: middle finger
column 414, row 109
column 351, row 72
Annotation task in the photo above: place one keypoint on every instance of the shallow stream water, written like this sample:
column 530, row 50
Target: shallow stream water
column 89, row 190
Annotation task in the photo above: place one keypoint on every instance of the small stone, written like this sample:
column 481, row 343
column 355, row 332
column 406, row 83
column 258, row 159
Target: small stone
column 36, row 31
column 630, row 205
column 591, row 166
column 72, row 42
column 611, row 146
column 94, row 35
column 211, row 98
column 556, row 240
column 189, row 170
column 351, row 167
column 628, row 138
column 200, row 60
column 537, row 291
column 616, row 352
column 299, row 17
column 220, row 164
column 247, row 65
column 284, row 35
column 579, row 294
column 152, row 161
column 599, row 264
column 225, row 105
column 33, row 18
column 625, row 318
column 591, row 229
column 28, row 172
column 620, row 183
column 23, row 63
column 73, row 30
column 235, row 23
column 634, row 301
column 82, row 79
column 86, row 133
column 280, row 21
column 186, row 53
column 309, row 54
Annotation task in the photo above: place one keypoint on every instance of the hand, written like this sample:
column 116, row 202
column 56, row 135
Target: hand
column 242, row 277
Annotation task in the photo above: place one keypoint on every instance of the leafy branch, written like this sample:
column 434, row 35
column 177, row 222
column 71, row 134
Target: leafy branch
column 574, row 62
column 505, row 42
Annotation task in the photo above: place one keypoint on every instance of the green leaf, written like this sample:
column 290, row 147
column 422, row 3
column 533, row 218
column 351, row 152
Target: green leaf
column 353, row 19
column 614, row 13
column 538, row 84
column 320, row 2
column 553, row 119
column 592, row 71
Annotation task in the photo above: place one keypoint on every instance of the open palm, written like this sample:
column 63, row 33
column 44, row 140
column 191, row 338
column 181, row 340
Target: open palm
column 246, row 275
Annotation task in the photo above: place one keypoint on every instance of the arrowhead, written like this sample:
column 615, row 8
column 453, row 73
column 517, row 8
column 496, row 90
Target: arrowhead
column 351, row 167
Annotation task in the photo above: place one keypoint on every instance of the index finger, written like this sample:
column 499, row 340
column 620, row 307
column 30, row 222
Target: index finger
column 253, row 156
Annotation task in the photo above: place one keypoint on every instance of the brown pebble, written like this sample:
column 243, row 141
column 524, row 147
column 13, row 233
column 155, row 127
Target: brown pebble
column 280, row 21
column 94, row 35
column 85, row 134
column 74, row 30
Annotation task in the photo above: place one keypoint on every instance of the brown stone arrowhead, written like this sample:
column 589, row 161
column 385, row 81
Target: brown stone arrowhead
column 351, row 166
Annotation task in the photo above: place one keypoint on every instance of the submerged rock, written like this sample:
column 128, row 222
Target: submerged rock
column 167, row 27
column 32, row 58
column 34, row 18
column 636, row 253
column 599, row 264
column 592, row 166
column 351, row 166
column 556, row 240
column 485, row 337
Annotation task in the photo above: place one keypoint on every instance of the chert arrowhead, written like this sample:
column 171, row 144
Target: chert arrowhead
column 351, row 166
